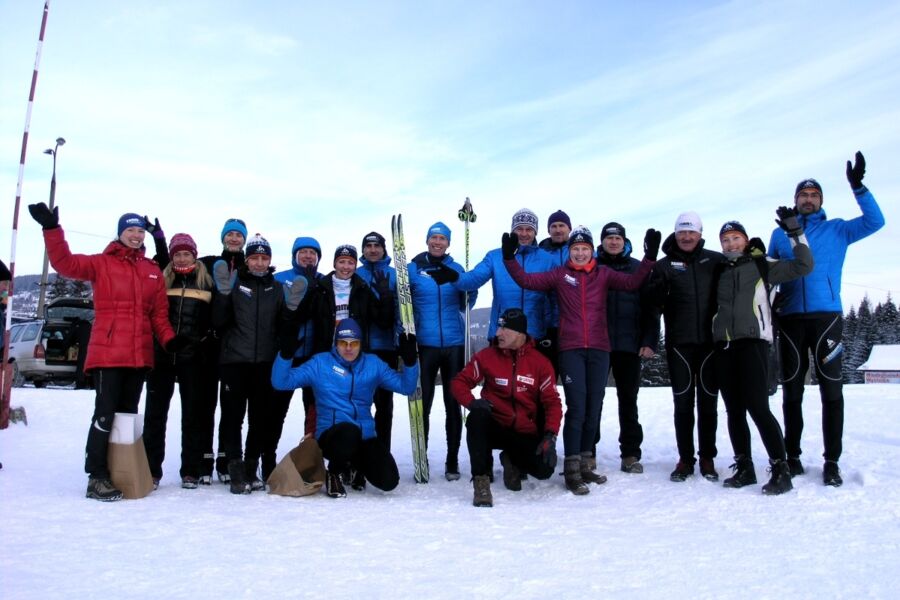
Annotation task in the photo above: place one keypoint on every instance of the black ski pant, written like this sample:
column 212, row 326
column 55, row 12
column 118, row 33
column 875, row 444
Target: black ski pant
column 484, row 434
column 821, row 334
column 246, row 389
column 449, row 361
column 742, row 367
column 160, row 389
column 343, row 447
column 626, row 370
column 207, row 400
column 118, row 390
column 384, row 401
column 691, row 372
column 584, row 373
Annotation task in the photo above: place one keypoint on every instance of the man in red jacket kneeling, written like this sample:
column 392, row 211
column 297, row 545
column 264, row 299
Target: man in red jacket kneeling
column 519, row 410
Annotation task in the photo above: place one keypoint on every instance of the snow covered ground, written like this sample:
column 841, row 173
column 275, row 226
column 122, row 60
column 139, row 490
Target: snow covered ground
column 638, row 536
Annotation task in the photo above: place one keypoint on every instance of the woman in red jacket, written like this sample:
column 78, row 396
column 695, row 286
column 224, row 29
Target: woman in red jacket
column 584, row 347
column 130, row 307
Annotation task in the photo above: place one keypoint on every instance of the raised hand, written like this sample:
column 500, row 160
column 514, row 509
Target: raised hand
column 856, row 172
column 48, row 219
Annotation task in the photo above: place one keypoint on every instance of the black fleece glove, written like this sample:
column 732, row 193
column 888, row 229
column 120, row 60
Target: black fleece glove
column 153, row 228
column 787, row 220
column 856, row 173
column 547, row 450
column 509, row 243
column 444, row 274
column 756, row 244
column 480, row 404
column 407, row 349
column 42, row 214
column 652, row 239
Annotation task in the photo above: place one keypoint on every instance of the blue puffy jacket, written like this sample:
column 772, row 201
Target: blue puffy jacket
column 286, row 277
column 379, row 337
column 560, row 254
column 507, row 294
column 439, row 309
column 344, row 391
column 820, row 291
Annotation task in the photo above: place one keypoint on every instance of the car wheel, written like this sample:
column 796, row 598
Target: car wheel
column 39, row 384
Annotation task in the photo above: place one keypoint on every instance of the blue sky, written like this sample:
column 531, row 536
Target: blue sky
column 323, row 119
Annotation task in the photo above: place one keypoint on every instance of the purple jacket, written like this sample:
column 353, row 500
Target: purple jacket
column 581, row 295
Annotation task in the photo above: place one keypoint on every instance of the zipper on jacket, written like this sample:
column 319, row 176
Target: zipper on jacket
column 584, row 327
column 512, row 383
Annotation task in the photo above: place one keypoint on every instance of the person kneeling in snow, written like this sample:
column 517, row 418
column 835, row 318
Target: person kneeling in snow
column 344, row 381
column 519, row 410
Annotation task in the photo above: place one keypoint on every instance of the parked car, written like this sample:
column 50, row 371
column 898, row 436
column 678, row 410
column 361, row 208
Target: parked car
column 48, row 350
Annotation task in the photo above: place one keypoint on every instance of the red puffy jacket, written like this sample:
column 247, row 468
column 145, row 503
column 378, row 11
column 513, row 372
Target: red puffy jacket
column 130, row 304
column 519, row 384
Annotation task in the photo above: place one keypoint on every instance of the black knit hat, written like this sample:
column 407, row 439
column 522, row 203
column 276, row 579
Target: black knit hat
column 515, row 319
column 612, row 228
column 559, row 217
column 733, row 226
column 257, row 245
column 808, row 183
column 374, row 237
column 346, row 250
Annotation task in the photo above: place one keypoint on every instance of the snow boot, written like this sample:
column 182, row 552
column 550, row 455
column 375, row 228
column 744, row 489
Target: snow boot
column 451, row 470
column 682, row 471
column 236, row 481
column 744, row 473
column 512, row 478
column 708, row 469
column 781, row 479
column 251, row 476
column 632, row 464
column 588, row 468
column 334, row 487
column 189, row 483
column 831, row 474
column 482, row 497
column 358, row 480
column 795, row 466
column 102, row 488
column 572, row 474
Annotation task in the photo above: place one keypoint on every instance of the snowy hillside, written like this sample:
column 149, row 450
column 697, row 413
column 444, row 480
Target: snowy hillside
column 638, row 536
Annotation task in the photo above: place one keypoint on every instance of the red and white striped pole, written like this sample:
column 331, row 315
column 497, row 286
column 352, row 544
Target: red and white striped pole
column 6, row 371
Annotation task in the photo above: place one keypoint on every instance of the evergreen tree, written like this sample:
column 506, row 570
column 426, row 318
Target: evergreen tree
column 81, row 289
column 886, row 320
column 851, row 325
column 58, row 288
column 655, row 371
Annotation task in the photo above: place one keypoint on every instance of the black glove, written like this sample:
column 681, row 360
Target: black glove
column 787, row 220
column 856, row 173
column 43, row 215
column 480, row 404
column 153, row 228
column 444, row 274
column 756, row 244
column 178, row 343
column 287, row 338
column 223, row 278
column 406, row 348
column 547, row 450
column 382, row 283
column 312, row 278
column 652, row 240
column 509, row 244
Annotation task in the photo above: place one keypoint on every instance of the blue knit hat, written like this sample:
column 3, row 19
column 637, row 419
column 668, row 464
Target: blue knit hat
column 130, row 220
column 438, row 229
column 234, row 225
column 347, row 329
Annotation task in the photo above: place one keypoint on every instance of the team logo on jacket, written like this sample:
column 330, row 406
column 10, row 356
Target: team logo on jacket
column 153, row 276
column 501, row 381
column 338, row 370
column 245, row 290
column 678, row 266
column 570, row 280
column 525, row 379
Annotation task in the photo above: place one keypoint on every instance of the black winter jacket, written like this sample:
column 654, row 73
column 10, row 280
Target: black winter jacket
column 630, row 328
column 248, row 318
column 365, row 307
column 681, row 287
column 190, row 313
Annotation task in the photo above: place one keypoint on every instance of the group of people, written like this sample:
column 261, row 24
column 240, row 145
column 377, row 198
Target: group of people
column 231, row 331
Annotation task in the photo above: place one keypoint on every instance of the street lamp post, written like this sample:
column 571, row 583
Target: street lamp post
column 44, row 272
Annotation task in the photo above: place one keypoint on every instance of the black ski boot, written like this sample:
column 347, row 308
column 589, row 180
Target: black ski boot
column 795, row 466
column 572, row 474
column 744, row 473
column 781, row 479
column 831, row 474
column 236, row 478
column 334, row 487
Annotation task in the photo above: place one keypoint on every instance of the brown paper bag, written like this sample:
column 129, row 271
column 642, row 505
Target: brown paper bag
column 129, row 469
column 300, row 473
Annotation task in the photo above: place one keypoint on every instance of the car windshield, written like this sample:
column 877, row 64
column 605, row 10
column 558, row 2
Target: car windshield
column 69, row 313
